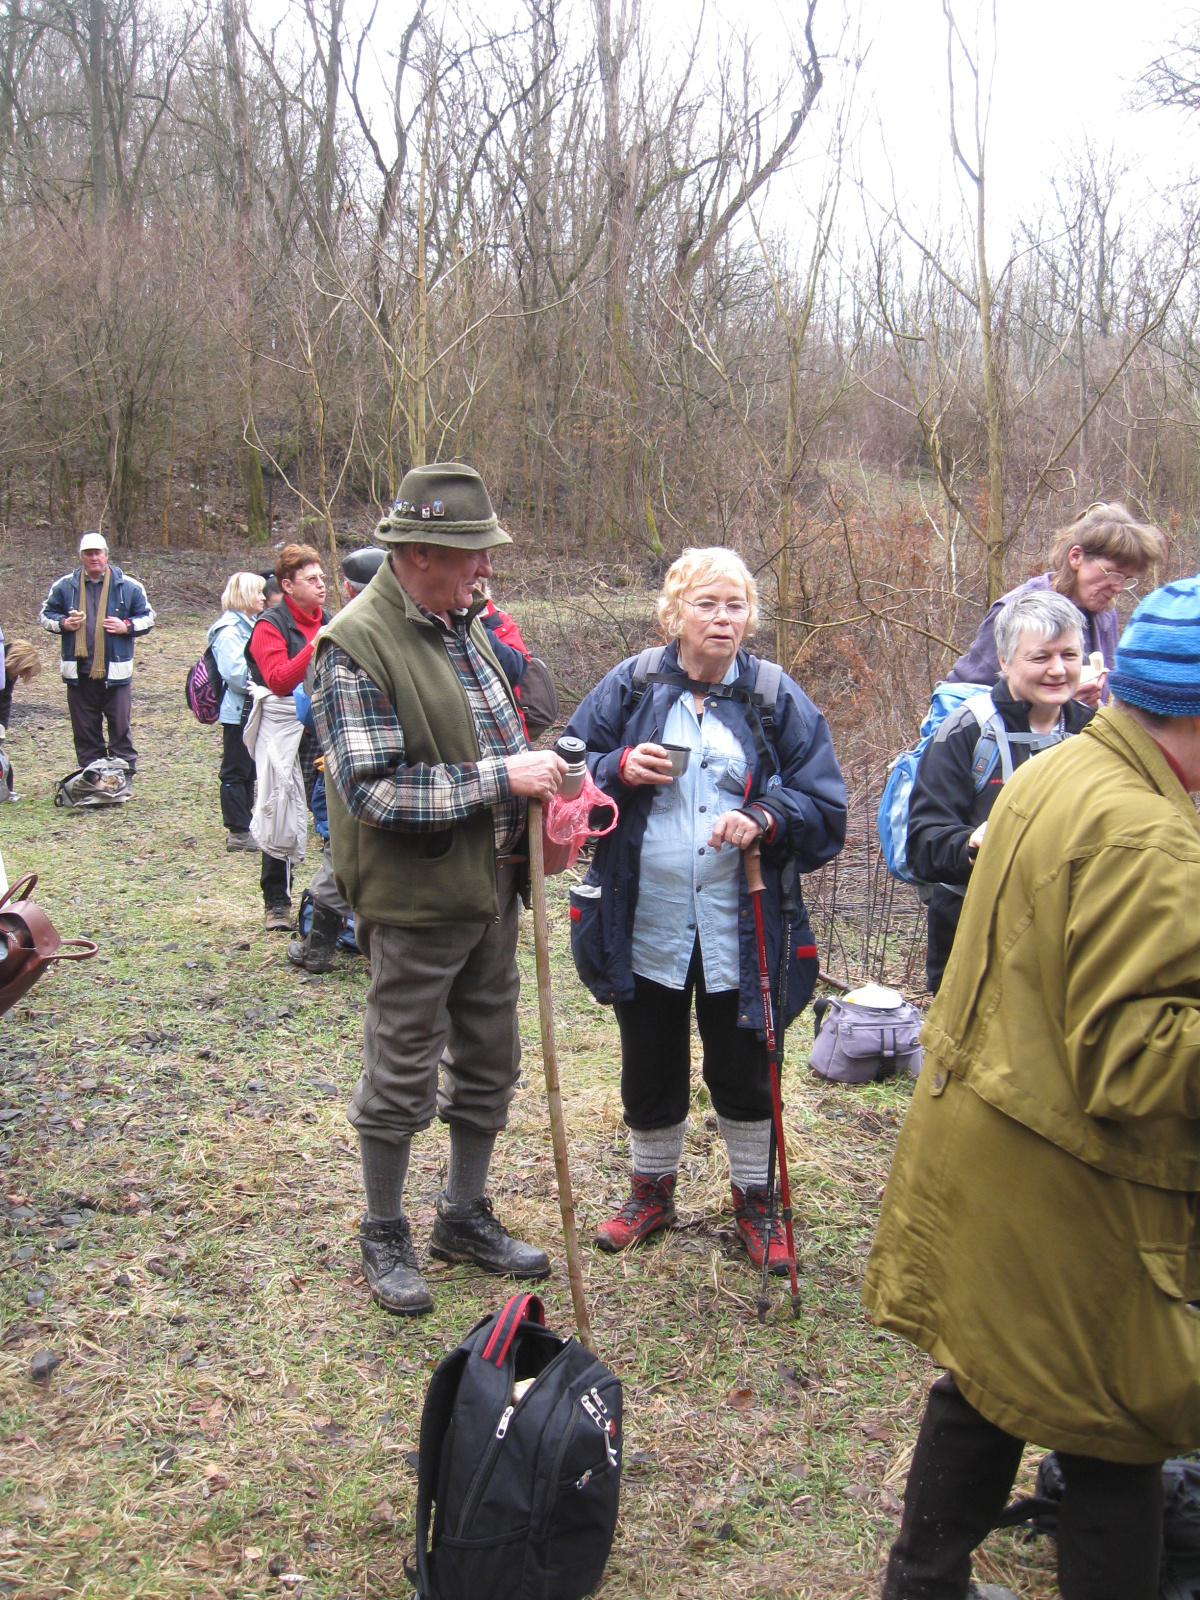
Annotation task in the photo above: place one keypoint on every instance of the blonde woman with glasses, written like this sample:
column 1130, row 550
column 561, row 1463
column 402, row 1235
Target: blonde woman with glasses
column 702, row 767
column 1104, row 552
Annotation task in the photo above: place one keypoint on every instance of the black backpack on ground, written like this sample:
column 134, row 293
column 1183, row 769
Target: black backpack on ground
column 526, row 1488
column 1179, row 1576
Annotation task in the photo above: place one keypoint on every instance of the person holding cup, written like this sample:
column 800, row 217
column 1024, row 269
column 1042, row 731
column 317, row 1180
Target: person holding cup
column 710, row 753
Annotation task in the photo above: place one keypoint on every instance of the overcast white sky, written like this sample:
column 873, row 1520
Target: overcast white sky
column 1064, row 71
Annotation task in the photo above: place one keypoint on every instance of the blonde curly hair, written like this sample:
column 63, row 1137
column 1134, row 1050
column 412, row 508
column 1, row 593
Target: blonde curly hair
column 696, row 567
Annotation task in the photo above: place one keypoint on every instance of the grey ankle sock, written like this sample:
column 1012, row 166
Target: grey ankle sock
column 747, row 1144
column 656, row 1151
column 467, row 1171
column 384, row 1169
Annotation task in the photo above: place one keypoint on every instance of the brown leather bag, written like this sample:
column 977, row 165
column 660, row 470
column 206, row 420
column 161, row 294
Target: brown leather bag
column 29, row 942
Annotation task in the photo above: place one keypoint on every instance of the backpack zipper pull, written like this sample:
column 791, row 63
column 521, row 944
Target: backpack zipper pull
column 502, row 1425
column 581, row 1483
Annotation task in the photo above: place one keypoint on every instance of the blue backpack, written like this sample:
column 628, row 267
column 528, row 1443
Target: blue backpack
column 995, row 744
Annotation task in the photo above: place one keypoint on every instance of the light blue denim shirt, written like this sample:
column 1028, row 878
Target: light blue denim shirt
column 686, row 887
column 228, row 637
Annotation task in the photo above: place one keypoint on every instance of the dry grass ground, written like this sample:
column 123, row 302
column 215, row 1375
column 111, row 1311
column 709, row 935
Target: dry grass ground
column 182, row 1191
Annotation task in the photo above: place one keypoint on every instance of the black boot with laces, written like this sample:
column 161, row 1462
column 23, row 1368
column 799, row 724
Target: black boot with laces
column 473, row 1232
column 390, row 1267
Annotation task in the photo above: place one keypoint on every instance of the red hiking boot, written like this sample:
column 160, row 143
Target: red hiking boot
column 649, row 1209
column 750, row 1214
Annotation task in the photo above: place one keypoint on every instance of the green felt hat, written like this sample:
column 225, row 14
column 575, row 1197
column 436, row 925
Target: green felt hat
column 443, row 504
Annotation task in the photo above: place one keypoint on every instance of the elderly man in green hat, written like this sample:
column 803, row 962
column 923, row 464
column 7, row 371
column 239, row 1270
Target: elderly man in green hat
column 427, row 777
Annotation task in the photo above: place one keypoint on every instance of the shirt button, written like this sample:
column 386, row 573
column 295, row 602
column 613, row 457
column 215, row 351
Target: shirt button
column 700, row 852
column 704, row 808
column 703, row 764
column 743, row 1020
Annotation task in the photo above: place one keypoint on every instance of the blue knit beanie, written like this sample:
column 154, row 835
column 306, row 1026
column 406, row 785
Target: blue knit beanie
column 1158, row 659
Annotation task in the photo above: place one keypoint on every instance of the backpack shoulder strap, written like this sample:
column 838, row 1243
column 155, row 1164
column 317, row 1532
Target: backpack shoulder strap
column 991, row 731
column 648, row 662
column 766, row 692
column 435, row 1420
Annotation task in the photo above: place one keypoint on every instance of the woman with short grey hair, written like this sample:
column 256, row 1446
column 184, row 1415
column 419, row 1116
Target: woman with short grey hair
column 1031, row 707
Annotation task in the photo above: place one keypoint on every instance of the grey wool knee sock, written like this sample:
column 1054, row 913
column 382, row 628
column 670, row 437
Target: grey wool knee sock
column 384, row 1169
column 747, row 1144
column 467, row 1170
column 656, row 1151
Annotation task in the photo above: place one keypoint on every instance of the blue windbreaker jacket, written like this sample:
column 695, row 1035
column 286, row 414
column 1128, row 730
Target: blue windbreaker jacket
column 126, row 599
column 801, row 786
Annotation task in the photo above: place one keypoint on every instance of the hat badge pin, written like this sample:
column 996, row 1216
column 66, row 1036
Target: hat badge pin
column 425, row 513
column 439, row 510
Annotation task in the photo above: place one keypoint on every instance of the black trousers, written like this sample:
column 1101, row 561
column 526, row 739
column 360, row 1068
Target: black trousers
column 93, row 702
column 237, row 779
column 237, row 804
column 1109, row 1523
column 656, row 1058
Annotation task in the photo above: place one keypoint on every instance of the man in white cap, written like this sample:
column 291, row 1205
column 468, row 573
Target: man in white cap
column 99, row 612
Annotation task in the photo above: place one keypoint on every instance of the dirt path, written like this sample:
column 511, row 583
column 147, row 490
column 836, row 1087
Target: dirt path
column 182, row 1198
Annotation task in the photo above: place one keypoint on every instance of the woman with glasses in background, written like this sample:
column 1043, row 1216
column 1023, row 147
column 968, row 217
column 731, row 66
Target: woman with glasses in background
column 702, row 768
column 1103, row 553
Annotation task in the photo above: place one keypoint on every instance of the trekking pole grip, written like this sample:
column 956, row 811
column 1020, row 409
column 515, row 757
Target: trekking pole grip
column 752, row 861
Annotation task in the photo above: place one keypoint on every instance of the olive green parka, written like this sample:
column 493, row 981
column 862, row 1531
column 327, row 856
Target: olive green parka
column 1039, row 1232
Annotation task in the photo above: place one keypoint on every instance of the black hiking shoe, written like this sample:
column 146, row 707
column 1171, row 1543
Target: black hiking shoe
column 390, row 1267
column 317, row 952
column 472, row 1232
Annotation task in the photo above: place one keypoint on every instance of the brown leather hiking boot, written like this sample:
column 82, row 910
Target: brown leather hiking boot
column 750, row 1214
column 649, row 1209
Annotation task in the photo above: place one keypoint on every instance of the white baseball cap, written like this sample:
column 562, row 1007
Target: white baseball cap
column 93, row 541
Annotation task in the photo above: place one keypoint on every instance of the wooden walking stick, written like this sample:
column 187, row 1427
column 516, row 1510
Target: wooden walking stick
column 558, row 1128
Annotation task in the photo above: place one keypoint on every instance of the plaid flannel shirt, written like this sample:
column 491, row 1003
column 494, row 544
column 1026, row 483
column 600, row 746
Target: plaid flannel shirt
column 363, row 744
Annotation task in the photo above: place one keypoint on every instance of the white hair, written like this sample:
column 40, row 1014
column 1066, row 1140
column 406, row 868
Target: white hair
column 1038, row 611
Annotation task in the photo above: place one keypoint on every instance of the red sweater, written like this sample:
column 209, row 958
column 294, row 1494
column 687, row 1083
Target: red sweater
column 270, row 655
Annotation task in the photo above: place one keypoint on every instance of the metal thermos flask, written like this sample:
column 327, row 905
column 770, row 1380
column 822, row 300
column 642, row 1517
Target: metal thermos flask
column 572, row 752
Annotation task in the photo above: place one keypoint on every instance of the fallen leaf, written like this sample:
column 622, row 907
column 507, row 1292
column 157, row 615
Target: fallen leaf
column 872, row 1430
column 383, row 1512
column 87, row 1530
column 741, row 1399
column 35, row 1504
column 251, row 1553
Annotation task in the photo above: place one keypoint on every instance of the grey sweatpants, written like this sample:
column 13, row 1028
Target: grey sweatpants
column 324, row 889
column 441, row 999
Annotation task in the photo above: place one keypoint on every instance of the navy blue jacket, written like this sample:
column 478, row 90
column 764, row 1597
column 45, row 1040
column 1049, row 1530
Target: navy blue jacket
column 802, row 787
column 126, row 599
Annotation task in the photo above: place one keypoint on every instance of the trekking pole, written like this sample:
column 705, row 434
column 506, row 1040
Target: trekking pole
column 558, row 1128
column 754, row 883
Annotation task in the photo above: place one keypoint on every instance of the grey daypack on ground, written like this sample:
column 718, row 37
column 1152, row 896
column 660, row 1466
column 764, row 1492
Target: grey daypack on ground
column 859, row 1044
column 101, row 783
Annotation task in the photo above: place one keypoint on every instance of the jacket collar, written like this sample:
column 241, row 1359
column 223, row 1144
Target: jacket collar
column 1129, row 739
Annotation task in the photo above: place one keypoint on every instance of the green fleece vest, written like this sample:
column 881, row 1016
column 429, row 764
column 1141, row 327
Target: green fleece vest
column 390, row 876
